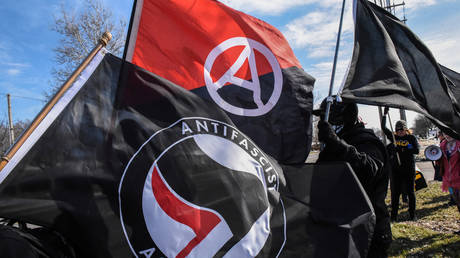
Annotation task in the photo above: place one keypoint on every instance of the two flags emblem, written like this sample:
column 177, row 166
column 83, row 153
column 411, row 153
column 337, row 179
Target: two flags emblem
column 190, row 207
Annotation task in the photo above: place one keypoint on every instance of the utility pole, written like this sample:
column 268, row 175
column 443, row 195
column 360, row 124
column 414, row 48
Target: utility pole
column 390, row 6
column 49, row 106
column 10, row 120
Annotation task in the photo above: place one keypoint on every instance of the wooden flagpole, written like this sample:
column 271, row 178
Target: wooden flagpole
column 106, row 37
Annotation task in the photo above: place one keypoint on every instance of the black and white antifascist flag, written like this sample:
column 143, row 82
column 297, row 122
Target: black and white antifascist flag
column 392, row 67
column 141, row 167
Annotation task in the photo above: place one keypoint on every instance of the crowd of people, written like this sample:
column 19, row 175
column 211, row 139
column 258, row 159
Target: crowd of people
column 346, row 139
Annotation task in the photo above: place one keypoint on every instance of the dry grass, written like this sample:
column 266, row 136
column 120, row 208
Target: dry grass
column 432, row 235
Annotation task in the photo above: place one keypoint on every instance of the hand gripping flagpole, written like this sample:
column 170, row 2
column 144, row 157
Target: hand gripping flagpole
column 329, row 99
column 394, row 139
column 105, row 38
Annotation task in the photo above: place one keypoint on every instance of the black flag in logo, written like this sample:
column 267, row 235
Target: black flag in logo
column 142, row 167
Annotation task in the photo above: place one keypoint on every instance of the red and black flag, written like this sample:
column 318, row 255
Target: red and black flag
column 239, row 62
column 142, row 167
column 392, row 67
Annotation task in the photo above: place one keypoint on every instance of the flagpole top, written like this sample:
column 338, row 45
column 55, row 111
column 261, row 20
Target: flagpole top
column 106, row 37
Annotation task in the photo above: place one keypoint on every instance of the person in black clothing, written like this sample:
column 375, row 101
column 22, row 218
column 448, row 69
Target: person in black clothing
column 403, row 171
column 367, row 156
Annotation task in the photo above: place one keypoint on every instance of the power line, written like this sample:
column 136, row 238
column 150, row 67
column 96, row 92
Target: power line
column 24, row 97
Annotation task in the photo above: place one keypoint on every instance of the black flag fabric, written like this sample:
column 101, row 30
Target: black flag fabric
column 141, row 167
column 392, row 67
column 237, row 61
column 453, row 81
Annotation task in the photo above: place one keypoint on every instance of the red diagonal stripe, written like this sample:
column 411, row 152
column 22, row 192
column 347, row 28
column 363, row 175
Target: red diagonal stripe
column 201, row 221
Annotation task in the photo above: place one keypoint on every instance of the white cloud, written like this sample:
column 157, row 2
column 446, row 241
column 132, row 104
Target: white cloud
column 13, row 71
column 11, row 68
column 317, row 31
column 20, row 65
column 417, row 4
column 370, row 116
column 445, row 47
column 277, row 7
column 272, row 7
column 322, row 73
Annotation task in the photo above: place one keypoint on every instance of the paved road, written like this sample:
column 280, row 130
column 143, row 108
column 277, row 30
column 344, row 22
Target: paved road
column 425, row 166
column 427, row 169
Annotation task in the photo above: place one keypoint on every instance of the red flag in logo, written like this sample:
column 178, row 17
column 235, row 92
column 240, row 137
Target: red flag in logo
column 174, row 38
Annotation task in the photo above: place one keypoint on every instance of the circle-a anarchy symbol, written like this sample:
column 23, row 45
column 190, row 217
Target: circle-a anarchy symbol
column 229, row 76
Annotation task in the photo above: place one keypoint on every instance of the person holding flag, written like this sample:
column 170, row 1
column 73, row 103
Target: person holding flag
column 353, row 143
column 406, row 147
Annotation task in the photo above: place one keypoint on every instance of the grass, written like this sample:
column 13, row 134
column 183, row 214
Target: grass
column 432, row 235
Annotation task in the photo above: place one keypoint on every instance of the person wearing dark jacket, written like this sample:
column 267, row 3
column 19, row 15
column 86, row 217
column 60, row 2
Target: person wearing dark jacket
column 367, row 156
column 403, row 171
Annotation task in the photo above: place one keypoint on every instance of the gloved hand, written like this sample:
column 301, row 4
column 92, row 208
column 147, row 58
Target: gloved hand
column 384, row 117
column 333, row 143
column 325, row 132
column 385, row 111
column 391, row 149
column 327, row 135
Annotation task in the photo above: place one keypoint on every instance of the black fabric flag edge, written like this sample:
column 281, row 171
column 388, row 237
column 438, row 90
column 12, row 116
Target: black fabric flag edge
column 363, row 89
column 55, row 112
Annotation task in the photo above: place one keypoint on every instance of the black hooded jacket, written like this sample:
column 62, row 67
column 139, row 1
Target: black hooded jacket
column 367, row 156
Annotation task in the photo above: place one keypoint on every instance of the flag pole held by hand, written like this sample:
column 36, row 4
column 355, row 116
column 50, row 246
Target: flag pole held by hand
column 103, row 41
column 334, row 65
column 394, row 139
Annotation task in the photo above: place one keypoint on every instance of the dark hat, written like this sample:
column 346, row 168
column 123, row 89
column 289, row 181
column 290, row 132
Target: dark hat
column 322, row 108
column 340, row 112
column 401, row 125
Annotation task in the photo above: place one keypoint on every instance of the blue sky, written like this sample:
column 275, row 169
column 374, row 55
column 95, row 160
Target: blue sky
column 26, row 41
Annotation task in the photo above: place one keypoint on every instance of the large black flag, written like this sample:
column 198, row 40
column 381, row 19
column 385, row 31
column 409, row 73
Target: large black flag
column 453, row 81
column 142, row 167
column 392, row 67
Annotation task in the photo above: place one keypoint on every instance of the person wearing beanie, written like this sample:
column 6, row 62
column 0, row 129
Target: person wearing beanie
column 403, row 171
column 351, row 142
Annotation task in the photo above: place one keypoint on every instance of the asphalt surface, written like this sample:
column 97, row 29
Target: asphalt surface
column 427, row 169
column 425, row 166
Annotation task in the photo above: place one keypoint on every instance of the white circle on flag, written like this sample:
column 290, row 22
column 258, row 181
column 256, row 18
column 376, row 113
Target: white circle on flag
column 254, row 85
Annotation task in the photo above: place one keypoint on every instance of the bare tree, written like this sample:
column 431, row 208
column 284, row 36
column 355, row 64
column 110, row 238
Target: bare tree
column 317, row 98
column 422, row 126
column 18, row 126
column 80, row 33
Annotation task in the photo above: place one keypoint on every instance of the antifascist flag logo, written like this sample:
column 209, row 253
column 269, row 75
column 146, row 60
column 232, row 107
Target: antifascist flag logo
column 253, row 85
column 207, row 190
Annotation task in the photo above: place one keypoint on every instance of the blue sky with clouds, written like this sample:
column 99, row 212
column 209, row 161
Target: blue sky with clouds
column 26, row 41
